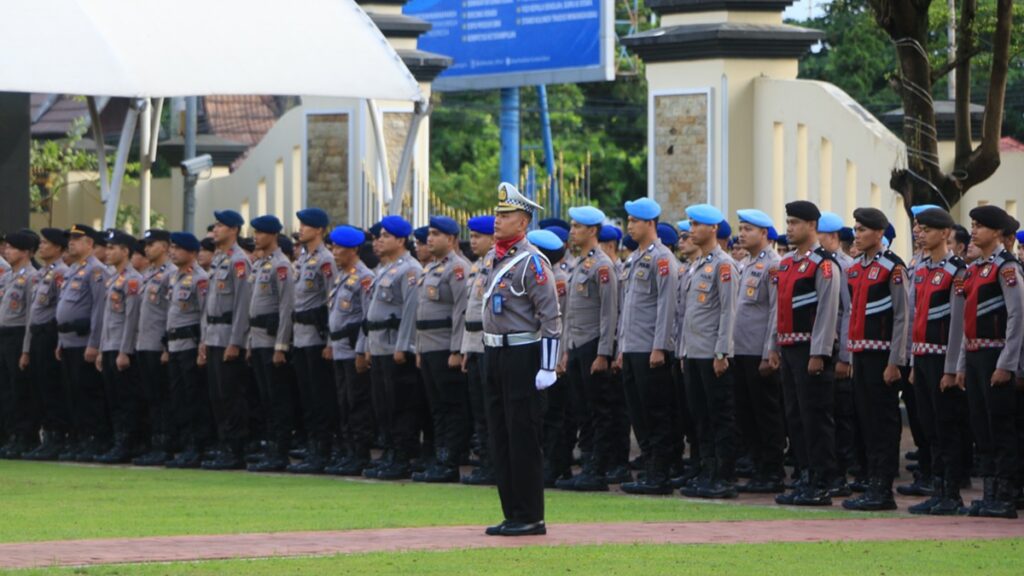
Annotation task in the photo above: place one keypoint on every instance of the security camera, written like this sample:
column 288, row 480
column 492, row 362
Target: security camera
column 196, row 166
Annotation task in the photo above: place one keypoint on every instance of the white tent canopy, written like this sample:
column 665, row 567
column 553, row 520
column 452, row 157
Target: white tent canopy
column 150, row 48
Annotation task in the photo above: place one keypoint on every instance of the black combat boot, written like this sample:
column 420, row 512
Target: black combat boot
column 988, row 494
column 926, row 506
column 316, row 459
column 951, row 504
column 1003, row 504
column 231, row 458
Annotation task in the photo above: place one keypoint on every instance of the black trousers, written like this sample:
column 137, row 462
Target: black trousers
column 156, row 395
column 355, row 407
column 683, row 429
column 943, row 415
column 275, row 399
column 559, row 431
column 849, row 443
column 908, row 392
column 878, row 410
column 993, row 415
column 714, row 410
column 448, row 396
column 51, row 396
column 192, row 417
column 515, row 420
column 810, row 406
column 400, row 398
column 317, row 393
column 596, row 405
column 226, row 381
column 123, row 396
column 759, row 411
column 19, row 416
column 477, row 373
column 650, row 399
column 88, row 400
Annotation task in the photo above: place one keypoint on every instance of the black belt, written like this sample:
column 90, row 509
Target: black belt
column 474, row 326
column 224, row 318
column 433, row 324
column 389, row 324
column 269, row 322
column 44, row 327
column 79, row 327
column 313, row 316
column 350, row 331
column 12, row 330
column 183, row 333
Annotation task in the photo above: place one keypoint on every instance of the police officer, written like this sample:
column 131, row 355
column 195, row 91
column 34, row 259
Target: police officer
column 19, row 414
column 990, row 354
column 41, row 341
column 877, row 339
column 758, row 391
column 270, row 337
column 391, row 326
column 710, row 312
column 591, row 316
column 151, row 348
column 440, row 321
column 79, row 321
column 684, row 422
column 807, row 302
column 187, row 293
column 225, row 325
column 420, row 235
column 349, row 300
column 521, row 338
column 645, row 334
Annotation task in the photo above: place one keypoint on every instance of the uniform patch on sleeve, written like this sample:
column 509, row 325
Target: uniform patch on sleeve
column 133, row 287
column 724, row 273
column 773, row 275
column 663, row 267
column 826, row 269
column 1010, row 276
column 898, row 272
column 326, row 270
column 958, row 285
column 560, row 286
column 459, row 273
column 410, row 277
column 240, row 269
column 604, row 275
column 282, row 273
column 202, row 285
column 366, row 283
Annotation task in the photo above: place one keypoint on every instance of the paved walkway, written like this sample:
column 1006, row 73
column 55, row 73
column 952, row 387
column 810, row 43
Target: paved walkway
column 181, row 548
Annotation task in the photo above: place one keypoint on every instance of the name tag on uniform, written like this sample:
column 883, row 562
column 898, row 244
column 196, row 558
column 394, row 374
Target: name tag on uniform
column 497, row 304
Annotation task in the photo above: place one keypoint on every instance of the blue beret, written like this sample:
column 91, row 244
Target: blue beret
column 830, row 222
column 773, row 234
column 667, row 234
column 628, row 243
column 348, row 237
column 587, row 215
column 724, row 230
column 1020, row 236
column 229, row 218
column 683, row 225
column 268, row 224
column 915, row 210
column 445, row 224
column 481, row 225
column 705, row 214
column 549, row 222
column 755, row 217
column 375, row 230
column 643, row 208
column 846, row 234
column 545, row 240
column 890, row 233
column 421, row 233
column 562, row 233
column 285, row 244
column 396, row 226
column 314, row 217
column 782, row 240
column 885, row 242
column 609, row 233
column 185, row 240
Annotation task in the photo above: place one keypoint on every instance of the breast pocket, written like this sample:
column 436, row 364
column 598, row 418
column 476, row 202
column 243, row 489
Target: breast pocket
column 752, row 288
column 43, row 293
column 223, row 278
column 582, row 287
column 432, row 288
column 385, row 291
column 74, row 292
column 643, row 281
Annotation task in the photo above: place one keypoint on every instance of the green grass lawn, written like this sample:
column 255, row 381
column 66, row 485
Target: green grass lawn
column 991, row 558
column 50, row 501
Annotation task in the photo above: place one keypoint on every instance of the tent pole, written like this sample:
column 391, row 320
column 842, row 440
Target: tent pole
column 188, row 215
column 420, row 112
column 123, row 147
column 101, row 147
column 555, row 199
column 145, row 180
column 382, row 152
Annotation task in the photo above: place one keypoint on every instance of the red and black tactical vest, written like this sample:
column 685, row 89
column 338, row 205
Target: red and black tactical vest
column 985, row 312
column 933, row 291
column 871, row 314
column 797, row 295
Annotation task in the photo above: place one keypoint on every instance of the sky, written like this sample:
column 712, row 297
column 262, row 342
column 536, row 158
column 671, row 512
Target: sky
column 799, row 9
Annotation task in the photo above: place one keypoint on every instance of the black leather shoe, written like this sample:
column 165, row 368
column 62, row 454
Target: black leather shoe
column 584, row 482
column 921, row 486
column 618, row 475
column 838, row 488
column 496, row 529
column 155, row 457
column 230, row 459
column 878, row 497
column 482, row 476
column 788, row 498
column 646, row 488
column 270, row 463
column 398, row 470
column 349, row 467
column 524, row 529
column 813, row 496
column 859, row 485
column 437, row 474
column 717, row 489
column 762, row 486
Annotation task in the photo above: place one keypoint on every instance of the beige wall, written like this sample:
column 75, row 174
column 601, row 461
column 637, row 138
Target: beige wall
column 1004, row 189
column 80, row 203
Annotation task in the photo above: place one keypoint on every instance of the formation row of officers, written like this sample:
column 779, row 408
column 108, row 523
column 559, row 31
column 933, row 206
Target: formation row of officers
column 168, row 350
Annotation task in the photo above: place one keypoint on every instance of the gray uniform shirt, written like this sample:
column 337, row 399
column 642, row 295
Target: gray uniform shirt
column 156, row 284
column 229, row 295
column 845, row 261
column 272, row 287
column 592, row 303
column 711, row 305
column 755, row 305
column 684, row 270
column 476, row 283
column 187, row 293
column 442, row 296
column 524, row 298
column 81, row 300
column 16, row 289
column 121, row 312
column 44, row 298
column 314, row 275
column 394, row 295
column 649, row 300
column 1011, row 282
column 350, row 297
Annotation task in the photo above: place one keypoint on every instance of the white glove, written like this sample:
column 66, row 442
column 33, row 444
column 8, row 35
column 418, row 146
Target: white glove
column 545, row 378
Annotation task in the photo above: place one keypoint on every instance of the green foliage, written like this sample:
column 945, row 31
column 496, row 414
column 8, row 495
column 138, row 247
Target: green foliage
column 128, row 218
column 49, row 164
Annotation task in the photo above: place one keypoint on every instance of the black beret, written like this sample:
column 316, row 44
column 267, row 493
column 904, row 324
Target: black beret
column 935, row 218
column 1012, row 225
column 961, row 234
column 991, row 216
column 782, row 240
column 101, row 237
column 872, row 218
column 35, row 237
column 55, row 236
column 207, row 244
column 21, row 240
column 846, row 234
column 804, row 210
column 285, row 244
column 247, row 244
column 156, row 235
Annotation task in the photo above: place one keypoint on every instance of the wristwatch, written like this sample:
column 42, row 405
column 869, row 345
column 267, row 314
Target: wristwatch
column 719, row 356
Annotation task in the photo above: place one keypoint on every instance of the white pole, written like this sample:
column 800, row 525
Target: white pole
column 123, row 147
column 377, row 120
column 145, row 173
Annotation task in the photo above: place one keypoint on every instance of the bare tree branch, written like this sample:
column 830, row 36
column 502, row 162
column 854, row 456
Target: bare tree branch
column 967, row 35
